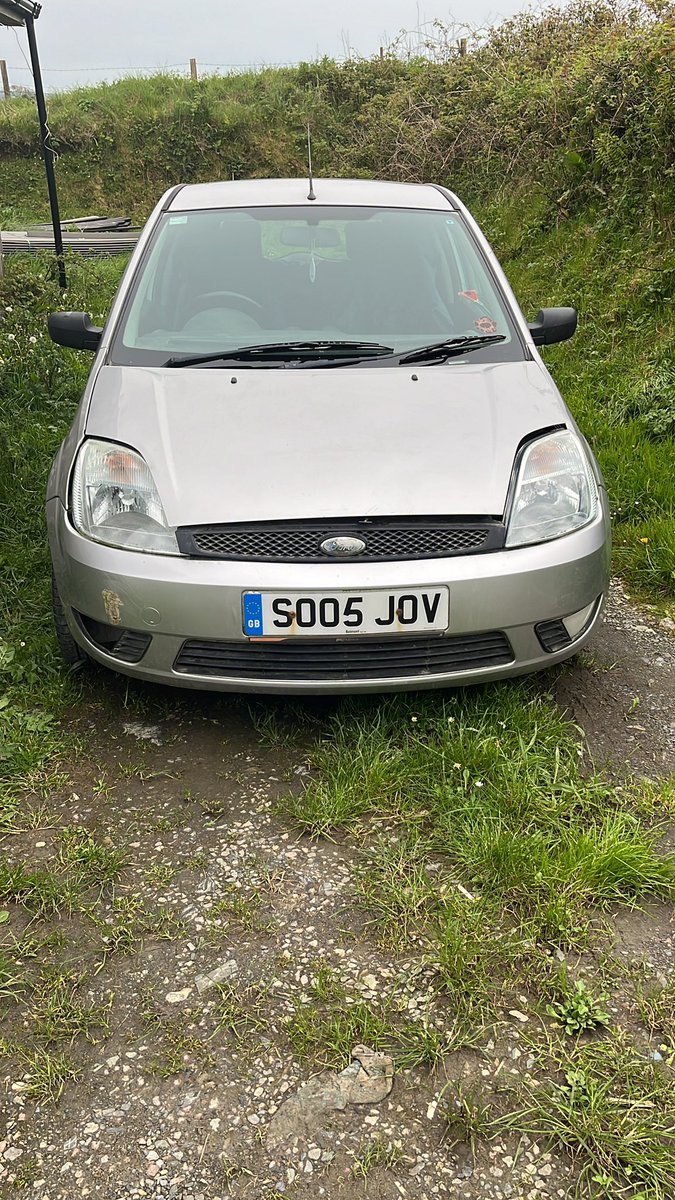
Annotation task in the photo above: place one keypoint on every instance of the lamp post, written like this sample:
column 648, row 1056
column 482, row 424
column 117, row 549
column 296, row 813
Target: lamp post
column 25, row 12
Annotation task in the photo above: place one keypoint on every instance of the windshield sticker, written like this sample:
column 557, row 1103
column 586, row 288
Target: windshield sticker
column 469, row 296
column 177, row 220
column 486, row 325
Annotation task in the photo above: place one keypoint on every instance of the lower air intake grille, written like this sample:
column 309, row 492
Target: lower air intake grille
column 300, row 541
column 553, row 635
column 366, row 658
column 128, row 645
column 131, row 646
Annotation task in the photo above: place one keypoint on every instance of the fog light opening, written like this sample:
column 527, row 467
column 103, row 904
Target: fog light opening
column 127, row 645
column 577, row 622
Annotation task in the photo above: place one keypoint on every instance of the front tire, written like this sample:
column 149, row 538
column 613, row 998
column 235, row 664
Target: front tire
column 72, row 653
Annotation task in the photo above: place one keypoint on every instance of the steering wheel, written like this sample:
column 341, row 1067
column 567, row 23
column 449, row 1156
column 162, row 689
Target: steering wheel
column 212, row 299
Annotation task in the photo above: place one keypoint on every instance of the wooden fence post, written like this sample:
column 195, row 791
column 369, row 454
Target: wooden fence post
column 5, row 79
column 462, row 45
column 193, row 70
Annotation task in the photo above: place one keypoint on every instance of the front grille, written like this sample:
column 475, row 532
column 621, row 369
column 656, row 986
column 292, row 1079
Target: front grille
column 300, row 541
column 552, row 635
column 362, row 658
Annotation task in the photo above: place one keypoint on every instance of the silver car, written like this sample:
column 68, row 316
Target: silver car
column 318, row 451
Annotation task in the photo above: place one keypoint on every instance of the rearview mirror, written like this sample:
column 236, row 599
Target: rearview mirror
column 308, row 236
column 553, row 325
column 74, row 329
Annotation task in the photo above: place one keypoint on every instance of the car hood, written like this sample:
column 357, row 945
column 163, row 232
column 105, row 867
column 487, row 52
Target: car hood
column 255, row 445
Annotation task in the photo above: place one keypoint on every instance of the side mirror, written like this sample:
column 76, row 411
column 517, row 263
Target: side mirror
column 74, row 329
column 553, row 325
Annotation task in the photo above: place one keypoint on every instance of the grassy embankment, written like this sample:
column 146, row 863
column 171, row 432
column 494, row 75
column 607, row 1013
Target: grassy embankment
column 560, row 133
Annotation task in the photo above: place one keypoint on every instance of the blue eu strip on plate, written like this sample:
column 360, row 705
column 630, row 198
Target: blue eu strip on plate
column 253, row 614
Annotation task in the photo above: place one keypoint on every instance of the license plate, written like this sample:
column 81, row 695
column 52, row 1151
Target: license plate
column 323, row 614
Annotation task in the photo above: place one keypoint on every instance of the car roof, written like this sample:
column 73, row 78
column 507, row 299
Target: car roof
column 250, row 193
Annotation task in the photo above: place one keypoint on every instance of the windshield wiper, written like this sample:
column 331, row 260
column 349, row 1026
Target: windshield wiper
column 450, row 348
column 336, row 353
column 284, row 352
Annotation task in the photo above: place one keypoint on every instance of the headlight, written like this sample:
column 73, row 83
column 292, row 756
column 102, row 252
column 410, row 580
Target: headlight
column 115, row 500
column 555, row 491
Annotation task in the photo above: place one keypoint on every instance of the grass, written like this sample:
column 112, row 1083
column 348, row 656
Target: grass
column 467, row 1113
column 12, row 981
column 39, row 389
column 326, row 983
column 241, row 1014
column 327, row 1035
column 397, row 887
column 610, row 1110
column 58, row 1012
column 491, row 812
column 46, row 1073
column 601, row 1103
column 656, row 1006
column 276, row 726
column 129, row 922
column 325, row 1032
column 239, row 908
column 158, row 875
column 377, row 1153
column 82, row 863
column 229, row 1171
column 179, row 1042
column 93, row 863
column 40, row 892
column 616, row 374
column 488, row 848
column 28, row 1171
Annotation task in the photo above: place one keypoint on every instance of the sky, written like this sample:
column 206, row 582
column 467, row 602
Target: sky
column 85, row 41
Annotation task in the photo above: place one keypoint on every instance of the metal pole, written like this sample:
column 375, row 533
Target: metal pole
column 45, row 140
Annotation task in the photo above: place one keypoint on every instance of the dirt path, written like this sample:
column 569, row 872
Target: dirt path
column 622, row 691
column 193, row 1093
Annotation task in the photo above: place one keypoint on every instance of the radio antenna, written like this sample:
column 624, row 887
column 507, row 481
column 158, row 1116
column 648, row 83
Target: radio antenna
column 310, row 194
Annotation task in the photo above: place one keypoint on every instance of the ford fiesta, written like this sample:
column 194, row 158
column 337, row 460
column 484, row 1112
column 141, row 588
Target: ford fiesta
column 318, row 451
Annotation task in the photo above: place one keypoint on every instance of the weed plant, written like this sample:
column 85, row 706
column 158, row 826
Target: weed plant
column 578, row 1010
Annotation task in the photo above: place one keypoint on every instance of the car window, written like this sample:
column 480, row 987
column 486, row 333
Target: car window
column 220, row 279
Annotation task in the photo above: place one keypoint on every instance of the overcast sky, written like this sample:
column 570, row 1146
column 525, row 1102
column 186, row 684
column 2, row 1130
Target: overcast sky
column 83, row 41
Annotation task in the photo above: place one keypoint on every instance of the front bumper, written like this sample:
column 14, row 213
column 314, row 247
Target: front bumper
column 175, row 600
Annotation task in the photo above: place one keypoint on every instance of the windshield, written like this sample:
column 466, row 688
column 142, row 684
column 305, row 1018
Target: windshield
column 219, row 280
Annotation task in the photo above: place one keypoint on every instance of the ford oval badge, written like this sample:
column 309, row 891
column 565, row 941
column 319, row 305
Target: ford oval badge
column 343, row 547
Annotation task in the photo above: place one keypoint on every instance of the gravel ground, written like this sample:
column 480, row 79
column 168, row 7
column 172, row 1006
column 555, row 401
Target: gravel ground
column 197, row 1092
column 622, row 689
column 126, row 1131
